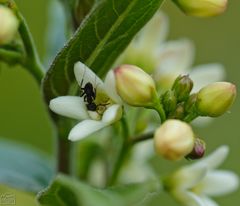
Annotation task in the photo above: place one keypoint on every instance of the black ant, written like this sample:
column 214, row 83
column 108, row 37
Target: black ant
column 89, row 95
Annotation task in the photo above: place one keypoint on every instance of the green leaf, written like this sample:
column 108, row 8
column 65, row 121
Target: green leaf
column 66, row 191
column 100, row 39
column 24, row 168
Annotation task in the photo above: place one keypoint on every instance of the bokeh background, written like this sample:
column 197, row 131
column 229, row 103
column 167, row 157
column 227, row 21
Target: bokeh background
column 23, row 117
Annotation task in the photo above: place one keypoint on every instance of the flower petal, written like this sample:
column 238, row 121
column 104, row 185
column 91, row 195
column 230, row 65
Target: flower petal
column 188, row 176
column 154, row 32
column 209, row 202
column 206, row 74
column 215, row 159
column 188, row 198
column 174, row 58
column 143, row 151
column 219, row 182
column 85, row 128
column 112, row 114
column 84, row 75
column 202, row 121
column 69, row 106
column 136, row 171
column 110, row 87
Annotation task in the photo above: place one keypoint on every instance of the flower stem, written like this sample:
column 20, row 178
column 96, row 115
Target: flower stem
column 141, row 138
column 11, row 57
column 64, row 153
column 190, row 117
column 158, row 107
column 32, row 62
column 124, row 148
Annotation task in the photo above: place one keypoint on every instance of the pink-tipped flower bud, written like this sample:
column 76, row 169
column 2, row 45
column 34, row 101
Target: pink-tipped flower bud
column 135, row 86
column 198, row 150
column 8, row 25
column 174, row 139
column 215, row 99
column 202, row 8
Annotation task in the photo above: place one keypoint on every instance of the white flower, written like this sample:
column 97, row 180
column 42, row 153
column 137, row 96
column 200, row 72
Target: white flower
column 108, row 104
column 168, row 59
column 176, row 57
column 192, row 185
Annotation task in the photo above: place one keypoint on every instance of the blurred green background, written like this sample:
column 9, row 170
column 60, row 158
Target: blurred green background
column 23, row 117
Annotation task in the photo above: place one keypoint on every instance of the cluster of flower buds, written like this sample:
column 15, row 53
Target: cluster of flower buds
column 9, row 25
column 212, row 100
column 174, row 139
column 174, row 99
column 202, row 8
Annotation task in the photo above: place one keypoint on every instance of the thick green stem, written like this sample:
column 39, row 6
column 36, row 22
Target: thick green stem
column 32, row 62
column 10, row 57
column 64, row 156
column 158, row 107
column 122, row 153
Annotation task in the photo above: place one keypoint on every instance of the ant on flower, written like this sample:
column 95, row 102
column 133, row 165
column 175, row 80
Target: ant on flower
column 89, row 94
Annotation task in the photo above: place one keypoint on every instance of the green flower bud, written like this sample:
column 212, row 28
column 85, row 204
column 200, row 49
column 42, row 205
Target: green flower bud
column 174, row 139
column 179, row 112
column 169, row 101
column 202, row 8
column 198, row 150
column 182, row 87
column 215, row 99
column 8, row 25
column 191, row 102
column 135, row 86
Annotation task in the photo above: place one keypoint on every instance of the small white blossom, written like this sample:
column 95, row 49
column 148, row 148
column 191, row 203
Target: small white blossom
column 168, row 59
column 108, row 104
column 193, row 185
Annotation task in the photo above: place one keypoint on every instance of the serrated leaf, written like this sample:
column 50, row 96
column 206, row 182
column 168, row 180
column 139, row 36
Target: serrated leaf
column 24, row 168
column 66, row 191
column 100, row 39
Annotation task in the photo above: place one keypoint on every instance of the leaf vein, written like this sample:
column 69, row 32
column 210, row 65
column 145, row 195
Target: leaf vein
column 98, row 49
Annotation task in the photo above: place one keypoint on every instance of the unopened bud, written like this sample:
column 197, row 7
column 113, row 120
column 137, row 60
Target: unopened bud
column 178, row 113
column 202, row 8
column 182, row 87
column 198, row 150
column 135, row 86
column 215, row 99
column 8, row 25
column 174, row 139
column 169, row 101
column 191, row 102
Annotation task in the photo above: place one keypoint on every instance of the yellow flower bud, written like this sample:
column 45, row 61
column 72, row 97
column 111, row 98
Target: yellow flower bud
column 202, row 8
column 215, row 99
column 135, row 86
column 8, row 25
column 174, row 139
